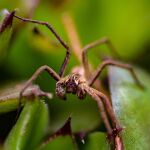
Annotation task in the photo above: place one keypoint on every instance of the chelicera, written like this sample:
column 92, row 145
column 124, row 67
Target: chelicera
column 71, row 84
column 81, row 80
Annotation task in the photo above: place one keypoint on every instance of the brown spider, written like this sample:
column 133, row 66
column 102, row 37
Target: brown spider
column 80, row 82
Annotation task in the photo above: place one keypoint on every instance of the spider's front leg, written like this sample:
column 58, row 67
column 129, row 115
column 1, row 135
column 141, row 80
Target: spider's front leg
column 104, row 104
column 33, row 78
column 112, row 134
column 116, row 125
column 101, row 108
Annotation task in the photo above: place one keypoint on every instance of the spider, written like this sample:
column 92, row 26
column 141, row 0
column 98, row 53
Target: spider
column 80, row 82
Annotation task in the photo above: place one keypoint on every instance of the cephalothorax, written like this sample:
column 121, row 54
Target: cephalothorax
column 72, row 83
column 81, row 82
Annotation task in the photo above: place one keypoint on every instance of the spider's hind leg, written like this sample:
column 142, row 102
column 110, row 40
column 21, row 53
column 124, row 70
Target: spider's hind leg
column 98, row 42
column 110, row 62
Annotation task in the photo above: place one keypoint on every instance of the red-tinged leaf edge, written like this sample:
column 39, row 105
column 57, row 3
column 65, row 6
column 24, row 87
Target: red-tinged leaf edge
column 7, row 22
column 64, row 130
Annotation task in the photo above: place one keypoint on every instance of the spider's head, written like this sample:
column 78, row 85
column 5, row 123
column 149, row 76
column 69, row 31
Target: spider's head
column 60, row 90
column 67, row 84
column 70, row 84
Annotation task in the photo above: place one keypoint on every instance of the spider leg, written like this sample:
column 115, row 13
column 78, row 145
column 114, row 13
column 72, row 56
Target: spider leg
column 113, row 63
column 66, row 59
column 33, row 78
column 116, row 125
column 109, row 108
column 101, row 41
column 101, row 107
column 111, row 133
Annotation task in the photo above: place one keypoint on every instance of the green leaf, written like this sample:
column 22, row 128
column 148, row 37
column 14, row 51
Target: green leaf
column 30, row 127
column 63, row 138
column 131, row 105
column 61, row 142
column 5, row 31
column 96, row 141
column 9, row 96
column 85, row 114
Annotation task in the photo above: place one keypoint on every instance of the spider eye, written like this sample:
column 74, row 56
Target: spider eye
column 61, row 91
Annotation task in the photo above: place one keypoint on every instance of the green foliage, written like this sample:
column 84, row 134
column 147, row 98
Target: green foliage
column 131, row 105
column 22, row 51
column 61, row 142
column 96, row 141
column 30, row 127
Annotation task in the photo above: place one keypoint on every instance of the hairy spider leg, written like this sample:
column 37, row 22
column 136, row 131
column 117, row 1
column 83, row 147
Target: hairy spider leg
column 101, row 108
column 66, row 59
column 101, row 41
column 109, row 109
column 98, row 96
column 106, row 63
column 114, row 133
column 33, row 78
